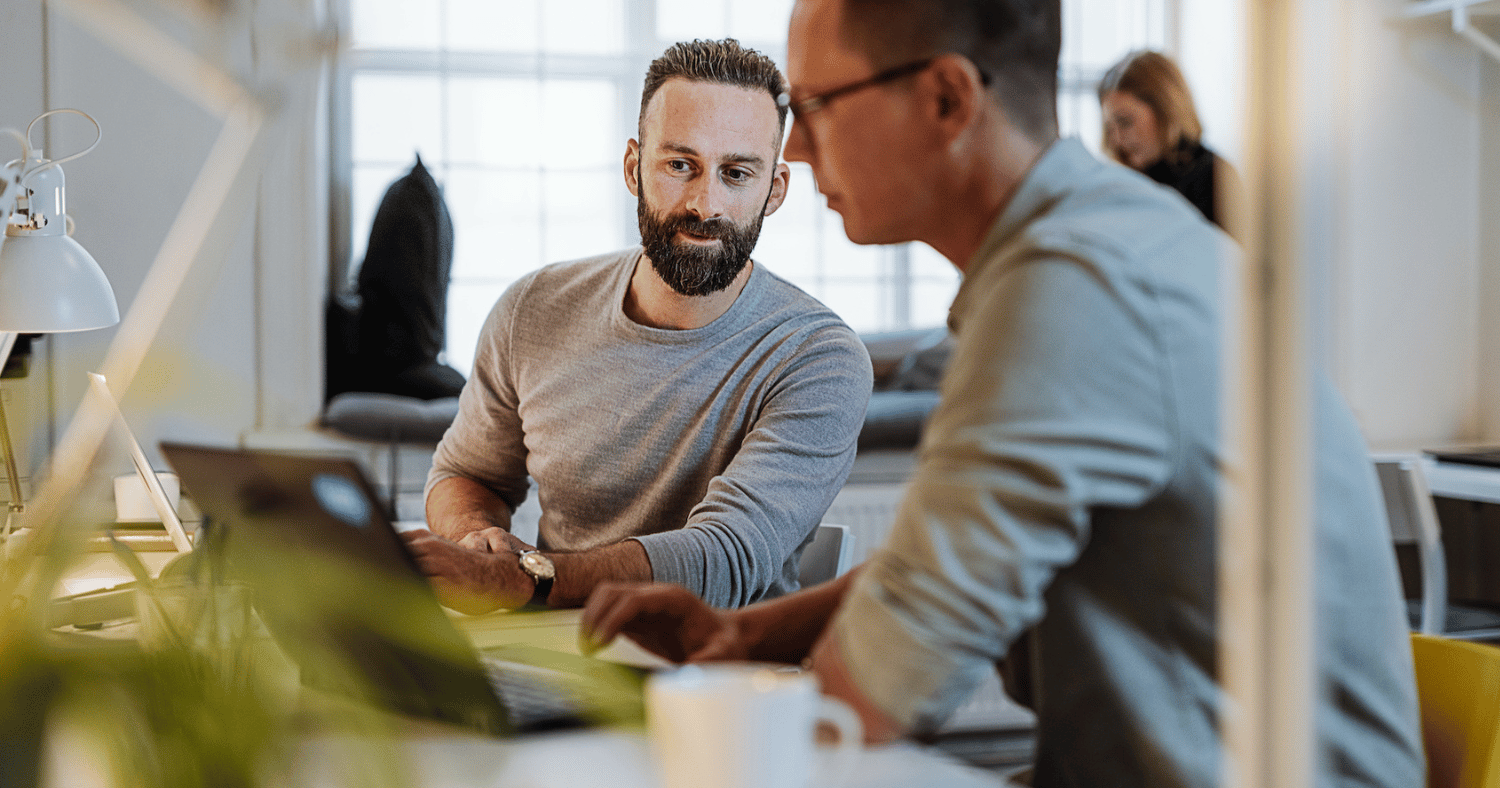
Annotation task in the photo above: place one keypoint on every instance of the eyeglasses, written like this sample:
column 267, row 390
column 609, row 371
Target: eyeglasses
column 801, row 109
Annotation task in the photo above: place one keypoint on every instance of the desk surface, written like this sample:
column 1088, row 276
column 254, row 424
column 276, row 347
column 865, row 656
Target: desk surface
column 607, row 759
column 1461, row 481
column 439, row 757
column 1454, row 479
column 433, row 756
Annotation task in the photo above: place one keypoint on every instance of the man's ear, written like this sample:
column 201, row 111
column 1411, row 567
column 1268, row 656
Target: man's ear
column 955, row 90
column 779, row 181
column 632, row 161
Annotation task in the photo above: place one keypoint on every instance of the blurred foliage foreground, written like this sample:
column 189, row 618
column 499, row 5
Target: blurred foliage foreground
column 195, row 692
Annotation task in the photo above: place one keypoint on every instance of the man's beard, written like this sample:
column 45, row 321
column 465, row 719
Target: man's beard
column 688, row 268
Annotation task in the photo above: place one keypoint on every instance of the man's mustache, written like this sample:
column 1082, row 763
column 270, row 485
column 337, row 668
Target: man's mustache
column 703, row 228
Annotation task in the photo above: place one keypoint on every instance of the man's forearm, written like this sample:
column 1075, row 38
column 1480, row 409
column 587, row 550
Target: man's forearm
column 834, row 679
column 785, row 629
column 458, row 506
column 579, row 573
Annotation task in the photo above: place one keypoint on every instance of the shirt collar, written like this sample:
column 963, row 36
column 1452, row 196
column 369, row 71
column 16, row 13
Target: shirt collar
column 1052, row 177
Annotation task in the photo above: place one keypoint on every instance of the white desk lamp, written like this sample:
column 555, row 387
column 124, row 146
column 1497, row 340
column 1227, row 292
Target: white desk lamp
column 48, row 283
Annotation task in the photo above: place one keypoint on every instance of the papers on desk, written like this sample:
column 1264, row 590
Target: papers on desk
column 556, row 630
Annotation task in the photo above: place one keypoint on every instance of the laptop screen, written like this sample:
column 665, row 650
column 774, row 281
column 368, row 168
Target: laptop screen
column 334, row 584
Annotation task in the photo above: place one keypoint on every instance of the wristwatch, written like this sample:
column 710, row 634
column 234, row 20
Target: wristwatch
column 540, row 569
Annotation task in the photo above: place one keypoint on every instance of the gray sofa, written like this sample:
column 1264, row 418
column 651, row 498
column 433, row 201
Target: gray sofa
column 908, row 367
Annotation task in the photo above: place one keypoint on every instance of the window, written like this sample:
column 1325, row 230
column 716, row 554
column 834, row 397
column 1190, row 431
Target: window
column 521, row 109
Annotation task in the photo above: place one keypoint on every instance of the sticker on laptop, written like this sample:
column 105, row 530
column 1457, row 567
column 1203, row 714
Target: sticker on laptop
column 342, row 499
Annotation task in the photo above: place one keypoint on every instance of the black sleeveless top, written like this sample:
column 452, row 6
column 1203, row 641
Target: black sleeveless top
column 1190, row 169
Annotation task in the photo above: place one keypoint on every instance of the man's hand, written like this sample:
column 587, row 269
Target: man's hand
column 469, row 581
column 663, row 618
column 494, row 540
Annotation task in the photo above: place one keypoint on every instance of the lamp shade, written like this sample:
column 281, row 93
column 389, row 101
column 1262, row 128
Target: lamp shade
column 49, row 284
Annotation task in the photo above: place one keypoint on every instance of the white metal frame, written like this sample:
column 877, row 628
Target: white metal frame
column 1461, row 11
column 1413, row 520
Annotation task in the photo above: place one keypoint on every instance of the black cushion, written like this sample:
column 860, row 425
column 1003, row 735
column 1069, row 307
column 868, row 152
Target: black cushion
column 403, row 295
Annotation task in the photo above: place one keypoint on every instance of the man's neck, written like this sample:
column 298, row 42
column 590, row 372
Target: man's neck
column 652, row 302
column 984, row 184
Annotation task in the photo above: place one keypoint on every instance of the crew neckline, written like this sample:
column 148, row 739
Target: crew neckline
column 732, row 318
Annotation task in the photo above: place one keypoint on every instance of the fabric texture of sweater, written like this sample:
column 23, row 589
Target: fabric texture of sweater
column 718, row 448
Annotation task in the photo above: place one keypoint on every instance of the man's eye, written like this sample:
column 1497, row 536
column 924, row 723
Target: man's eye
column 737, row 175
column 678, row 165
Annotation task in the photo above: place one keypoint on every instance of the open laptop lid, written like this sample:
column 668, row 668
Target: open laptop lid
column 334, row 583
column 159, row 500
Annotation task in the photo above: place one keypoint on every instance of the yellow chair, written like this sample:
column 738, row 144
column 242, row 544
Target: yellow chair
column 1458, row 688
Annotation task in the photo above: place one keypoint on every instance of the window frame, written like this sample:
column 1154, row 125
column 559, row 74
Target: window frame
column 894, row 275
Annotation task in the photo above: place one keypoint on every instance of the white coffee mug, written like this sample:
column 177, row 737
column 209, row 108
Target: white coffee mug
column 746, row 725
column 133, row 502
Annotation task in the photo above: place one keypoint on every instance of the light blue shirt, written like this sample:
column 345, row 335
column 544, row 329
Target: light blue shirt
column 1068, row 484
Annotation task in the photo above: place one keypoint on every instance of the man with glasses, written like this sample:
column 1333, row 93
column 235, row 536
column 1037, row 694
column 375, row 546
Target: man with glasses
column 687, row 416
column 1062, row 516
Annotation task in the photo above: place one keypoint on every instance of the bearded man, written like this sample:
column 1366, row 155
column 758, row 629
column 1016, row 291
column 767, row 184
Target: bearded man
column 687, row 416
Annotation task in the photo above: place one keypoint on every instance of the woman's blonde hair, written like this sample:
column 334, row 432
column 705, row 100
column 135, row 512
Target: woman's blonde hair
column 1154, row 79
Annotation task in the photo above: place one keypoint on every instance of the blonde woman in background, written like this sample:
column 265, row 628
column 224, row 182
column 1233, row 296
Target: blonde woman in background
column 1151, row 125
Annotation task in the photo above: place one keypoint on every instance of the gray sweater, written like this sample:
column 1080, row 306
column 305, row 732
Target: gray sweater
column 717, row 448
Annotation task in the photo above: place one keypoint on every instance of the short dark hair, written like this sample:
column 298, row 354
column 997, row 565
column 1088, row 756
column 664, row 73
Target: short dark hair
column 1014, row 43
column 722, row 62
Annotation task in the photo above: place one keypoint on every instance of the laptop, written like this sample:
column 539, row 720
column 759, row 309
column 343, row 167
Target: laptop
column 335, row 585
column 158, row 496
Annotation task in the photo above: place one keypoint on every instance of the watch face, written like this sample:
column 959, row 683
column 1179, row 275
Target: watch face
column 537, row 565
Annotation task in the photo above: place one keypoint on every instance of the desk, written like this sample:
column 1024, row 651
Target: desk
column 606, row 759
column 1461, row 481
column 1456, row 480
column 435, row 756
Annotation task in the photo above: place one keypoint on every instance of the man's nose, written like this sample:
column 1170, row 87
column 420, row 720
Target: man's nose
column 706, row 198
column 798, row 143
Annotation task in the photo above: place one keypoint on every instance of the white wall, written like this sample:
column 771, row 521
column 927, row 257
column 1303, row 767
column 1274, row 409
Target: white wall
column 1211, row 54
column 240, row 349
column 1411, row 275
column 1403, row 193
column 1488, row 218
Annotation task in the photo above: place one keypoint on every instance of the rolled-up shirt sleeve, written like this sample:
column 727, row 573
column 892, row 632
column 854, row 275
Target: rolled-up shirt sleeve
column 1055, row 403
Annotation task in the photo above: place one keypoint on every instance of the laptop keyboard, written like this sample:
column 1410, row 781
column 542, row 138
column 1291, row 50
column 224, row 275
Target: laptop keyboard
column 536, row 698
